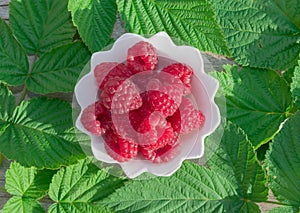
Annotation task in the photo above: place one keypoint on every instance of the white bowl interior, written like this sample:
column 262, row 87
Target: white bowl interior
column 204, row 89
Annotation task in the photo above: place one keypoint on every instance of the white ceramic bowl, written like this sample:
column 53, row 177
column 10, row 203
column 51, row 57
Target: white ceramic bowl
column 204, row 90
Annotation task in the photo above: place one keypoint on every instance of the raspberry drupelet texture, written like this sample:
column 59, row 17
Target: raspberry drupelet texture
column 187, row 118
column 138, row 116
column 141, row 109
column 96, row 118
column 165, row 138
column 128, row 124
column 119, row 148
column 161, row 155
column 164, row 97
column 142, row 57
column 154, row 132
column 182, row 72
column 107, row 70
column 175, row 121
column 141, row 79
column 120, row 95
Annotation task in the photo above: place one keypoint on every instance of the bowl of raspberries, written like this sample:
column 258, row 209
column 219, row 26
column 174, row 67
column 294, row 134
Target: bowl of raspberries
column 147, row 104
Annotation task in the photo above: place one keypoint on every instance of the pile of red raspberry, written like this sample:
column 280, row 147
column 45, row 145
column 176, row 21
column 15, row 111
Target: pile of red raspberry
column 142, row 111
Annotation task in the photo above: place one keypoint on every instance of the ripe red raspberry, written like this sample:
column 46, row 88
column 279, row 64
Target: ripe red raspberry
column 175, row 122
column 155, row 132
column 187, row 118
column 182, row 72
column 96, row 118
column 128, row 124
column 141, row 79
column 142, row 57
column 161, row 155
column 175, row 138
column 122, row 126
column 164, row 98
column 120, row 96
column 107, row 70
column 119, row 148
column 150, row 128
column 137, row 116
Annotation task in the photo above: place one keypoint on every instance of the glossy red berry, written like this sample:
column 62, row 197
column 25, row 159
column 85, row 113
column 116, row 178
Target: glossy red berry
column 107, row 70
column 119, row 148
column 187, row 118
column 120, row 96
column 182, row 72
column 96, row 118
column 142, row 57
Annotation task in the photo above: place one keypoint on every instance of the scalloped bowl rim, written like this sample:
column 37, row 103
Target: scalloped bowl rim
column 209, row 86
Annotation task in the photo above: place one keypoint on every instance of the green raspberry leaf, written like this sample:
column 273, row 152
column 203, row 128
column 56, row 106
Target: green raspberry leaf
column 192, row 21
column 59, row 69
column 250, row 207
column 288, row 75
column 40, row 133
column 7, row 106
column 78, row 208
column 80, row 187
column 41, row 25
column 193, row 188
column 263, row 34
column 255, row 96
column 284, row 209
column 234, row 158
column 27, row 182
column 13, row 59
column 22, row 205
column 295, row 86
column 95, row 20
column 283, row 163
column 1, row 160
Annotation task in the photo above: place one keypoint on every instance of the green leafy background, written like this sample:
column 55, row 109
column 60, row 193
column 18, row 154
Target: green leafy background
column 47, row 44
column 261, row 33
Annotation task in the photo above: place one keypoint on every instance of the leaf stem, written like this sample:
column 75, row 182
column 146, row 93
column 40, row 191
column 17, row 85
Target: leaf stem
column 3, row 189
column 1, row 159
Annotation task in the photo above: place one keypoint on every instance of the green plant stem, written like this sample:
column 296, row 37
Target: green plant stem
column 2, row 189
column 1, row 159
